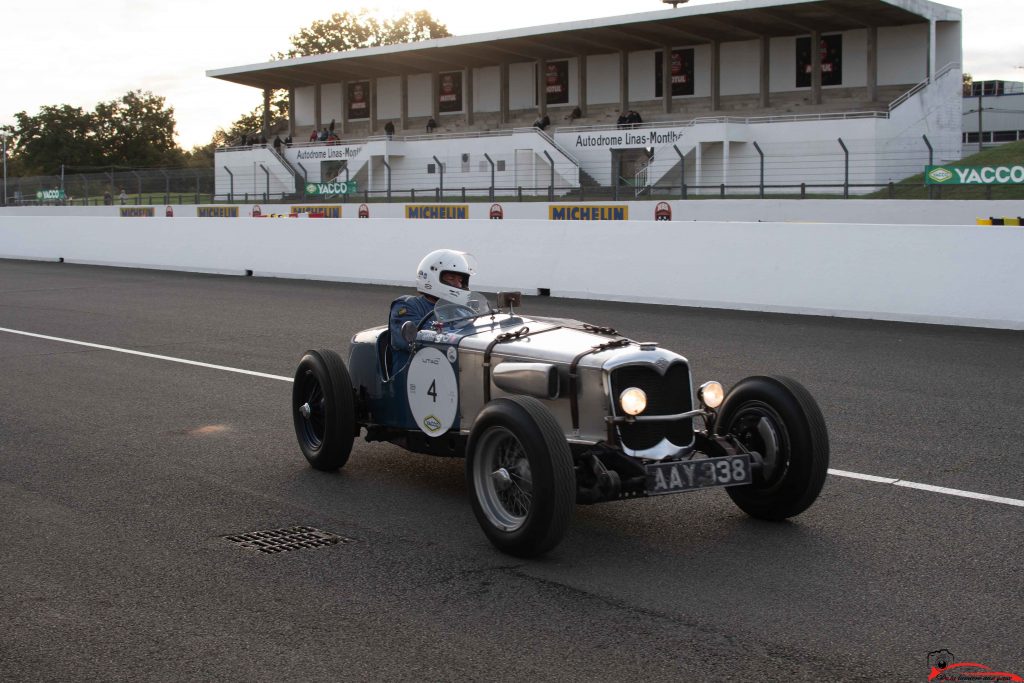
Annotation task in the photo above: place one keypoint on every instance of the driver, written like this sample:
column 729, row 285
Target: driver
column 442, row 274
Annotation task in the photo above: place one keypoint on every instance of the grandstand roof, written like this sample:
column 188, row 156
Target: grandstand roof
column 686, row 25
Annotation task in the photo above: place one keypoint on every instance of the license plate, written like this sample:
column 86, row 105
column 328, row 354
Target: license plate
column 689, row 475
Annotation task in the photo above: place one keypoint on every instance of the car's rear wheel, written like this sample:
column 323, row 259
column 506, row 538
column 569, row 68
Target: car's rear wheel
column 520, row 476
column 779, row 419
column 323, row 409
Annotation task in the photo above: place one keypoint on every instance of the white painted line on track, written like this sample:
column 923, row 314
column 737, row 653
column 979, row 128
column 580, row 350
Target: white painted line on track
column 838, row 473
column 148, row 355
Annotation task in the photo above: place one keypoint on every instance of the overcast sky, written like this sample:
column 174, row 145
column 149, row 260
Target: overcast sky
column 81, row 53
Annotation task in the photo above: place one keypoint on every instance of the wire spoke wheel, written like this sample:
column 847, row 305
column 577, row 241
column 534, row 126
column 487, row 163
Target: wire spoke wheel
column 520, row 476
column 502, row 479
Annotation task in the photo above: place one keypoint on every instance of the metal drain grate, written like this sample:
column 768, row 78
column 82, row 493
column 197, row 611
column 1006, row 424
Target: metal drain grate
column 283, row 540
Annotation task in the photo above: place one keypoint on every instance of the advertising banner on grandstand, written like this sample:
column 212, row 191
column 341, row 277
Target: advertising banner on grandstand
column 217, row 211
column 443, row 211
column 588, row 212
column 831, row 50
column 974, row 175
column 556, row 82
column 359, row 100
column 682, row 72
column 137, row 211
column 449, row 96
column 50, row 195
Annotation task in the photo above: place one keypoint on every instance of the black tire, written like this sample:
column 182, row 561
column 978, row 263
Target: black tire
column 525, row 511
column 794, row 475
column 323, row 410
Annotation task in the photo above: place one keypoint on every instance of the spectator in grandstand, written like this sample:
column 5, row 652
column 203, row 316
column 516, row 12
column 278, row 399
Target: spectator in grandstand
column 633, row 117
column 123, row 196
column 542, row 122
column 324, row 135
column 108, row 200
column 389, row 130
column 623, row 119
column 574, row 114
column 288, row 141
column 332, row 138
column 277, row 143
column 431, row 125
column 313, row 137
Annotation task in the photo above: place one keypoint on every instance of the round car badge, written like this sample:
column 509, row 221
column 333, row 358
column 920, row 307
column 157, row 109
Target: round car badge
column 433, row 391
column 452, row 354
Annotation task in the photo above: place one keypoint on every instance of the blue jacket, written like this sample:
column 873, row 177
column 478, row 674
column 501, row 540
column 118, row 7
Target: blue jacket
column 414, row 308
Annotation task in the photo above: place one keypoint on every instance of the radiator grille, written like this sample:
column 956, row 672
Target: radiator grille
column 667, row 394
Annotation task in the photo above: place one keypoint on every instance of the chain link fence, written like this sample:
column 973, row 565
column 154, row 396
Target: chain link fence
column 131, row 186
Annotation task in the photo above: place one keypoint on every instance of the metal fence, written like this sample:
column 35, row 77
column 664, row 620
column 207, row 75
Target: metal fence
column 132, row 186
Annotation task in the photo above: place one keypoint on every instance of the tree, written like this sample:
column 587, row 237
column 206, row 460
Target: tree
column 58, row 134
column 348, row 31
column 137, row 130
column 345, row 31
column 968, row 83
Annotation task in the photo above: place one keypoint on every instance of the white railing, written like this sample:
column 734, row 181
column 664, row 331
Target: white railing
column 923, row 84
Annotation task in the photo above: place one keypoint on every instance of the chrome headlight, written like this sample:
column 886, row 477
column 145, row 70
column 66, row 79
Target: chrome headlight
column 711, row 394
column 633, row 401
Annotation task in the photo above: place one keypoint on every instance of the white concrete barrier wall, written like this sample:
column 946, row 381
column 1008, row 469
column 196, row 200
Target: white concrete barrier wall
column 890, row 211
column 961, row 275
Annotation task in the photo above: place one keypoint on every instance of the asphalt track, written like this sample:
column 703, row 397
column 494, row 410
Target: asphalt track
column 120, row 476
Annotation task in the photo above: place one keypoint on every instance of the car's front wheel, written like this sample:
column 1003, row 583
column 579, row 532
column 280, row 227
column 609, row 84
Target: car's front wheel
column 323, row 409
column 520, row 475
column 779, row 419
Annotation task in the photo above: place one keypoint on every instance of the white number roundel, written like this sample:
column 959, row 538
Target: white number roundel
column 433, row 391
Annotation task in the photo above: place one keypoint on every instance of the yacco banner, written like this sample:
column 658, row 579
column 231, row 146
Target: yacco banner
column 318, row 189
column 217, row 211
column 974, row 175
column 588, row 212
column 450, row 96
column 682, row 72
column 328, row 210
column 445, row 211
column 137, row 211
column 49, row 195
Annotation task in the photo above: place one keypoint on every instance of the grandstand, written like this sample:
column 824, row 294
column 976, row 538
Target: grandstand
column 728, row 94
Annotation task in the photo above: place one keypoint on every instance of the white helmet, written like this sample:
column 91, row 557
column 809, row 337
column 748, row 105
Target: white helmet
column 435, row 264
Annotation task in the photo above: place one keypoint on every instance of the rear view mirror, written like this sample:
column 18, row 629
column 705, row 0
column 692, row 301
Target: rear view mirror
column 506, row 299
column 409, row 331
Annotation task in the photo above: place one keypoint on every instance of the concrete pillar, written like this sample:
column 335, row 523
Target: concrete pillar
column 666, row 79
column 623, row 80
column 467, row 96
column 581, row 64
column 542, row 87
column 266, row 112
column 872, row 75
column 716, row 71
column 435, row 105
column 503, row 92
column 291, row 113
column 766, row 85
column 931, row 48
column 816, row 67
column 372, row 106
column 344, row 107
column 405, row 101
column 316, row 107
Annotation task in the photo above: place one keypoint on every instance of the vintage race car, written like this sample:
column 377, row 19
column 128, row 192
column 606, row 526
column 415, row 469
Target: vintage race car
column 549, row 413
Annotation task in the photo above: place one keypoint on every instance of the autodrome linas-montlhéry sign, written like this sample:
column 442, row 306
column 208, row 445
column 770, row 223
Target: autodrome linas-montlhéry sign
column 974, row 175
